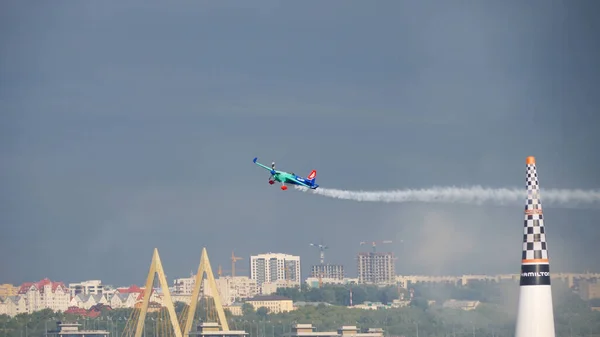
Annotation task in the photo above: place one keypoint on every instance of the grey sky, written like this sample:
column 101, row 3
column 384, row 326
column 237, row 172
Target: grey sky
column 132, row 126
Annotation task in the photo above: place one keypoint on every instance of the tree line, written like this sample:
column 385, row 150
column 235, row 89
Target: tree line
column 495, row 316
column 340, row 294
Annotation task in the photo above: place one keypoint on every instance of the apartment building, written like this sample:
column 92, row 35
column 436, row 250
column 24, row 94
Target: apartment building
column 92, row 287
column 275, row 304
column 86, row 301
column 229, row 288
column 274, row 267
column 268, row 288
column 183, row 286
column 376, row 268
column 235, row 288
column 328, row 271
column 123, row 300
column 315, row 282
column 589, row 289
column 7, row 290
column 45, row 294
column 13, row 306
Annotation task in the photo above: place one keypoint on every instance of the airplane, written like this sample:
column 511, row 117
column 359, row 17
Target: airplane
column 291, row 178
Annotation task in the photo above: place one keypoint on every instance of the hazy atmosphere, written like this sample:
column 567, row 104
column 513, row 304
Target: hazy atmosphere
column 130, row 126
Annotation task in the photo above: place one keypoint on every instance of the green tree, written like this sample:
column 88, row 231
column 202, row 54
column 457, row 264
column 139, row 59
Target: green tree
column 420, row 303
column 262, row 313
column 179, row 306
column 247, row 309
column 293, row 293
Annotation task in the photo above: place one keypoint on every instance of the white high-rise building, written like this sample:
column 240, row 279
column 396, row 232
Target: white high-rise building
column 92, row 287
column 275, row 268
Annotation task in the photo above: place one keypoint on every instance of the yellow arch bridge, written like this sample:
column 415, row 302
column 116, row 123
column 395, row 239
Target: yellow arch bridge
column 152, row 319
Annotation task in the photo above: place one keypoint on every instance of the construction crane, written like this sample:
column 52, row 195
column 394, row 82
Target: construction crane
column 224, row 272
column 374, row 243
column 322, row 248
column 234, row 259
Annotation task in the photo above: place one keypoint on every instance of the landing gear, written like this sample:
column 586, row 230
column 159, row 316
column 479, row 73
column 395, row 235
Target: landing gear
column 283, row 187
column 271, row 182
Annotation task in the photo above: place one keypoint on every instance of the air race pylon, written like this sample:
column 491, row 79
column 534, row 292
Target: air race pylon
column 535, row 317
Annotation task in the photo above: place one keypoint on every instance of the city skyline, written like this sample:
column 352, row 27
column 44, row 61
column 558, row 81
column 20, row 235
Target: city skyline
column 58, row 295
column 127, row 127
column 243, row 269
column 179, row 285
column 304, row 274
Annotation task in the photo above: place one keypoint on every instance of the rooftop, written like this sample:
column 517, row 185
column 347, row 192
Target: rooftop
column 269, row 298
column 72, row 329
column 307, row 330
column 211, row 329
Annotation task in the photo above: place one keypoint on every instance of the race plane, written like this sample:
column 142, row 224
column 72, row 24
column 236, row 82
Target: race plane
column 290, row 178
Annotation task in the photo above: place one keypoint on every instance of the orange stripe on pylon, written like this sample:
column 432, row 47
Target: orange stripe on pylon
column 536, row 261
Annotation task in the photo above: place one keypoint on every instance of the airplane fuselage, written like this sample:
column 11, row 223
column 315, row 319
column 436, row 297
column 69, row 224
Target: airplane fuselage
column 289, row 178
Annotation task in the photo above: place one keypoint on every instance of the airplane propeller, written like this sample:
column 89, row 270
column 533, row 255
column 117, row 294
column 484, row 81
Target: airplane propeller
column 272, row 173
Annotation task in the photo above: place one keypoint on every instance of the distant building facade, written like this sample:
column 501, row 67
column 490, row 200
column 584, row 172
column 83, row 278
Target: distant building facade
column 589, row 289
column 315, row 282
column 7, row 290
column 275, row 267
column 463, row 305
column 45, row 294
column 87, row 301
column 13, row 306
column 184, row 286
column 235, row 288
column 328, row 271
column 308, row 330
column 65, row 329
column 93, row 287
column 376, row 268
column 230, row 288
column 275, row 304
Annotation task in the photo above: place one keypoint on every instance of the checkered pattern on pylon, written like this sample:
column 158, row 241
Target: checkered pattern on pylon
column 534, row 236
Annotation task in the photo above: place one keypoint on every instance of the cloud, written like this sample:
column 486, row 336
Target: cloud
column 441, row 239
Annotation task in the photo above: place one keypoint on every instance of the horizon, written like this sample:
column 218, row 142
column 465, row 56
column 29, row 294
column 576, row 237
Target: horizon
column 304, row 277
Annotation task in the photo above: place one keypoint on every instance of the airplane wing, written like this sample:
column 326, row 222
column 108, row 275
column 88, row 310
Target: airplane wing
column 263, row 166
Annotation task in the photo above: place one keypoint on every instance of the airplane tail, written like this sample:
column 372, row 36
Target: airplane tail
column 312, row 177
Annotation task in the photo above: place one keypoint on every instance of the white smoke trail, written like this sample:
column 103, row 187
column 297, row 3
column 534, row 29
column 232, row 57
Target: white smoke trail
column 476, row 195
